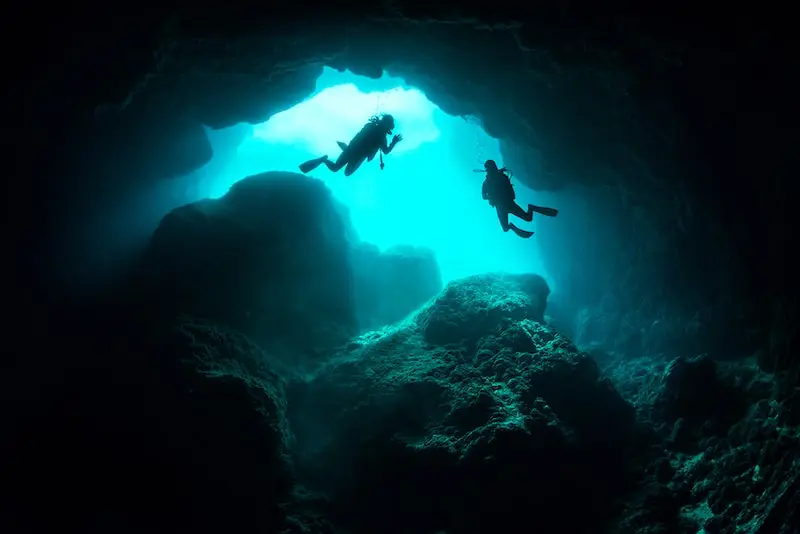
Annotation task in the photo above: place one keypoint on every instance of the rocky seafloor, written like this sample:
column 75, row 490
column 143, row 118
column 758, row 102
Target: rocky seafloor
column 241, row 381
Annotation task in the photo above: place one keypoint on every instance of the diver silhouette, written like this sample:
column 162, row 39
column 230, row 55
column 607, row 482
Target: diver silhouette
column 364, row 146
column 499, row 191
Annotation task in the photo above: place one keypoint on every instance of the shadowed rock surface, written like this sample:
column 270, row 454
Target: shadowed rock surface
column 181, row 428
column 257, row 260
column 412, row 432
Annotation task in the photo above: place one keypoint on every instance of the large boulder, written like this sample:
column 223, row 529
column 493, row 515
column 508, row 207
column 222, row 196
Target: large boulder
column 482, row 304
column 393, row 283
column 409, row 432
column 269, row 259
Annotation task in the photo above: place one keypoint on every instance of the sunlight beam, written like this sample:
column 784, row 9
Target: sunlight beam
column 335, row 113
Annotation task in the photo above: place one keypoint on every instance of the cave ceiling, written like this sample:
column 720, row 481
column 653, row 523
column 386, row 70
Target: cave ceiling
column 573, row 97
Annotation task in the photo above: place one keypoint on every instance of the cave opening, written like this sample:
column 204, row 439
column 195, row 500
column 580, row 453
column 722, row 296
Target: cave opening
column 428, row 194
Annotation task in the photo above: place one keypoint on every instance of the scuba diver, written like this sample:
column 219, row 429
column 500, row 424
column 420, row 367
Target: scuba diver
column 497, row 189
column 364, row 146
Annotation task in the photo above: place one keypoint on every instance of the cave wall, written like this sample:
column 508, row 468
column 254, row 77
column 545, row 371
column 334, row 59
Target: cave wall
column 634, row 276
column 654, row 104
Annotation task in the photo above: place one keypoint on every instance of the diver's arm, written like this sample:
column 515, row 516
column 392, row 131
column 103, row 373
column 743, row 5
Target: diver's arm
column 485, row 190
column 388, row 148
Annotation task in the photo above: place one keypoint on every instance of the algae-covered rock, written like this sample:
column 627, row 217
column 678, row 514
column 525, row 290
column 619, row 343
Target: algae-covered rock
column 482, row 304
column 418, row 437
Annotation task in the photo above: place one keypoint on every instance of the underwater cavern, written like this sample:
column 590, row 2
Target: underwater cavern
column 208, row 335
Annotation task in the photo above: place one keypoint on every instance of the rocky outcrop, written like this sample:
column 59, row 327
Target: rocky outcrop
column 467, row 409
column 409, row 432
column 269, row 259
column 472, row 307
column 725, row 447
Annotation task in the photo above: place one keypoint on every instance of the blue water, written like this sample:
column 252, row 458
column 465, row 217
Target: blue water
column 427, row 195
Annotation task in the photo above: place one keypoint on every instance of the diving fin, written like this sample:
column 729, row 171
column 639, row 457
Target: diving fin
column 312, row 164
column 524, row 234
column 342, row 145
column 548, row 212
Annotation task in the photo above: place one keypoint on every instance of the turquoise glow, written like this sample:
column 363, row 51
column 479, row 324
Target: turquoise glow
column 428, row 194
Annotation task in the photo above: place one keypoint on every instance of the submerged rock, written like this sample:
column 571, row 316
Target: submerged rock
column 269, row 259
column 410, row 436
column 185, row 431
column 696, row 401
column 725, row 448
column 481, row 304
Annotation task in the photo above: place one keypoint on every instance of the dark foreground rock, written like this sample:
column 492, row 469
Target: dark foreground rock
column 469, row 416
column 183, row 432
column 166, row 408
column 727, row 449
column 465, row 427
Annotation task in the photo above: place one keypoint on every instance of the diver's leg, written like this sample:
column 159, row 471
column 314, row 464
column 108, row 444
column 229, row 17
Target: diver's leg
column 516, row 210
column 340, row 162
column 353, row 166
column 502, row 215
